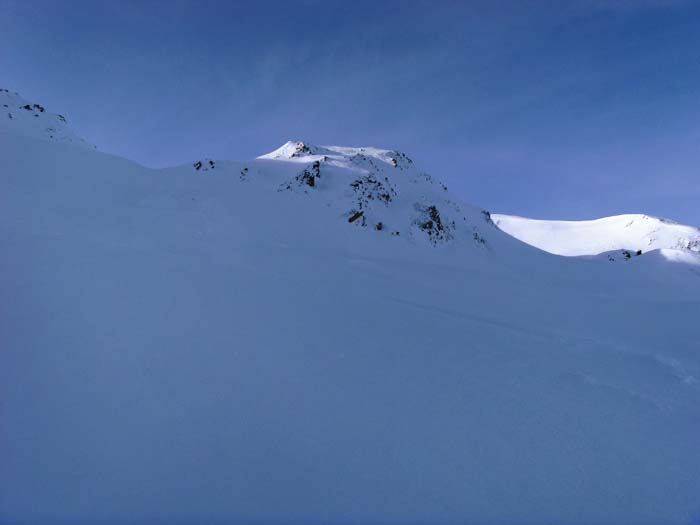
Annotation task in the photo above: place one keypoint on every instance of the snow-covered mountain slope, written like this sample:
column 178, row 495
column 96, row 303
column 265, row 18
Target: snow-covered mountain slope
column 632, row 233
column 367, row 187
column 219, row 342
column 20, row 116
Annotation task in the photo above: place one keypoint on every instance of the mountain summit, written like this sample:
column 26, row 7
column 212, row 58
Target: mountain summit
column 345, row 156
column 377, row 188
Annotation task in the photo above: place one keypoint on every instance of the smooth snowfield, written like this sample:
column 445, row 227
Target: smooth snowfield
column 633, row 232
column 210, row 345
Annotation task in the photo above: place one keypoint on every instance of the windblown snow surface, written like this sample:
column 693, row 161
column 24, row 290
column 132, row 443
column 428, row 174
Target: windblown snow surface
column 219, row 343
column 631, row 232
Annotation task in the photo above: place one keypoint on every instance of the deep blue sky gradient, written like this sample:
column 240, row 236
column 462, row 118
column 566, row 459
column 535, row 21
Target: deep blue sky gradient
column 546, row 109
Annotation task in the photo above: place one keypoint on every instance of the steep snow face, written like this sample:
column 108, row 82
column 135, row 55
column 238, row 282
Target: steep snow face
column 188, row 345
column 22, row 117
column 622, row 235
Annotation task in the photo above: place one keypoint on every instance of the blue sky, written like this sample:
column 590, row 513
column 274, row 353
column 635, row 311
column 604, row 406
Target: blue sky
column 545, row 109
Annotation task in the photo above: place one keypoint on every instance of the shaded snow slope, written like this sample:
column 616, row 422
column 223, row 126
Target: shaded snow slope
column 218, row 342
column 632, row 232
column 19, row 116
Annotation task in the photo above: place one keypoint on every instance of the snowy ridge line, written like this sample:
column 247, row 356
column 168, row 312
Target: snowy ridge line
column 383, row 190
column 620, row 237
column 369, row 187
column 18, row 115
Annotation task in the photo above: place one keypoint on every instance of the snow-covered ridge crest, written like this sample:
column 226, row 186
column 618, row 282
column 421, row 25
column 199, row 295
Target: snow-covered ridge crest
column 30, row 119
column 376, row 188
column 302, row 151
column 635, row 233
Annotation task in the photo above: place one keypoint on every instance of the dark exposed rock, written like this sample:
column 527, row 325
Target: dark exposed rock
column 356, row 216
column 204, row 165
column 301, row 149
column 367, row 188
column 399, row 160
column 307, row 178
column 430, row 222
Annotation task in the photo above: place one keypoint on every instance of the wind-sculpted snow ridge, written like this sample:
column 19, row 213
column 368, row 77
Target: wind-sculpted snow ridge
column 621, row 237
column 30, row 119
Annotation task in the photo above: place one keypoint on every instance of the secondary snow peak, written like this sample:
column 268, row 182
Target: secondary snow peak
column 622, row 234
